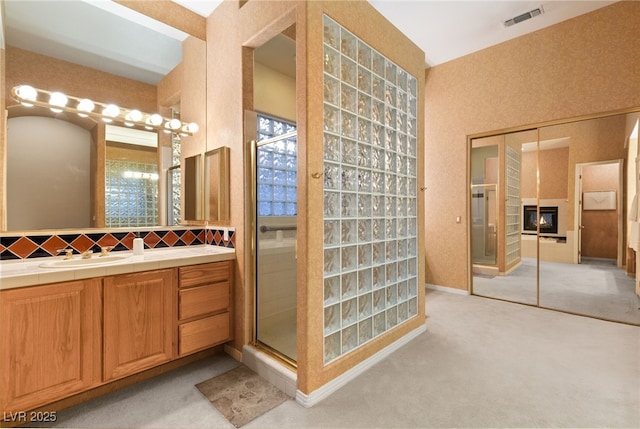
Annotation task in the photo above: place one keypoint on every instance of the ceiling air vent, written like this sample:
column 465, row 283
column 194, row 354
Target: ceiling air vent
column 527, row 15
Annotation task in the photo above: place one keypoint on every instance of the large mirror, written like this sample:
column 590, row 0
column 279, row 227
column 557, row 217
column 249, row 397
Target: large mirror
column 87, row 173
column 560, row 203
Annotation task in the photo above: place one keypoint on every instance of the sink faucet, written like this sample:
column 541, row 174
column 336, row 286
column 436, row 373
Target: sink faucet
column 68, row 253
column 104, row 251
column 86, row 254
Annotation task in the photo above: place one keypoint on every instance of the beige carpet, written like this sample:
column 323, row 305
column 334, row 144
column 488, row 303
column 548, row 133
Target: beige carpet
column 241, row 395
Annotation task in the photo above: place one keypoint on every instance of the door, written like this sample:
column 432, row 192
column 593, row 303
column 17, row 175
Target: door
column 50, row 343
column 276, row 241
column 599, row 217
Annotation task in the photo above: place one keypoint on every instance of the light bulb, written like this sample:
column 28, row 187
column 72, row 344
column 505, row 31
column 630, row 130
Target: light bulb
column 193, row 127
column 175, row 124
column 135, row 115
column 155, row 119
column 85, row 105
column 26, row 93
column 57, row 99
column 109, row 112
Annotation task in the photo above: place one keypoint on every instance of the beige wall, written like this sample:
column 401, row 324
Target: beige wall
column 583, row 66
column 46, row 73
column 275, row 93
column 554, row 173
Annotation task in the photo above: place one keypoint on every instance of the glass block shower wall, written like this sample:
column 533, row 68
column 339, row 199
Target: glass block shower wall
column 277, row 169
column 370, row 193
column 513, row 205
column 131, row 194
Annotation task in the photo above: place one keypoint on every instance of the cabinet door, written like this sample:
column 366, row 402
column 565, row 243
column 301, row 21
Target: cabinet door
column 50, row 342
column 139, row 320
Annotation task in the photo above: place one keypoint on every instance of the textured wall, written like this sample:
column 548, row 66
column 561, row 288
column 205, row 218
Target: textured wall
column 583, row 66
column 46, row 72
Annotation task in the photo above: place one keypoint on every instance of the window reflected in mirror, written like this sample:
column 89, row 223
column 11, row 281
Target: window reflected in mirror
column 131, row 178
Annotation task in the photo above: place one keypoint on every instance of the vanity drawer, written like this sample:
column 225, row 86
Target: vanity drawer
column 205, row 273
column 203, row 333
column 200, row 300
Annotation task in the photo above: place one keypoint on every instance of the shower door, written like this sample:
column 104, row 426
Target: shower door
column 275, row 168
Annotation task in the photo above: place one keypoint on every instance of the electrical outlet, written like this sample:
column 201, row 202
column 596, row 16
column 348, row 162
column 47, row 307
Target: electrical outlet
column 225, row 234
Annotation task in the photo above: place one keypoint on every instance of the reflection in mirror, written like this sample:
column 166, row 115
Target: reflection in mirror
column 192, row 196
column 504, row 265
column 216, row 184
column 583, row 183
column 131, row 178
column 66, row 46
column 174, row 207
column 56, row 153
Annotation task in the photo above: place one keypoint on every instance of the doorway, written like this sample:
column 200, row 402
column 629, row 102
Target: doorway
column 275, row 192
column 600, row 215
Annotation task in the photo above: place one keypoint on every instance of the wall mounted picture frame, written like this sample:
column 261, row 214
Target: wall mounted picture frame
column 599, row 200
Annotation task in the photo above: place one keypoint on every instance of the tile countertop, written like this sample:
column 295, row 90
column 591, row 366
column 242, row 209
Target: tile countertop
column 28, row 272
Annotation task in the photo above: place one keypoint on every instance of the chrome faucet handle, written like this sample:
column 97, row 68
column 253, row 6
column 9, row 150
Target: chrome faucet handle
column 104, row 251
column 68, row 253
column 86, row 254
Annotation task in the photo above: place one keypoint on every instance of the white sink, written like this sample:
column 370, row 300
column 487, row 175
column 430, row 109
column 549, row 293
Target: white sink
column 95, row 261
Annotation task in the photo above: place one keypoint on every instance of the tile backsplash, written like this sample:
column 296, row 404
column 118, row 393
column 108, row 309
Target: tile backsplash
column 36, row 245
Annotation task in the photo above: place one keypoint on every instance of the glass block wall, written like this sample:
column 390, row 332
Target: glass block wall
column 174, row 180
column 277, row 169
column 131, row 194
column 513, row 205
column 370, row 193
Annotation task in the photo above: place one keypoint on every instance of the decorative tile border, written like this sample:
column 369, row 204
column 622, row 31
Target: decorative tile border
column 46, row 245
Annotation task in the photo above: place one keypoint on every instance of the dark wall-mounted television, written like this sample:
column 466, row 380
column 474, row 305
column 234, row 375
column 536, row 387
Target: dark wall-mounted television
column 547, row 218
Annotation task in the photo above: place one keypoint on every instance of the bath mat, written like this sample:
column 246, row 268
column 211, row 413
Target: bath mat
column 241, row 395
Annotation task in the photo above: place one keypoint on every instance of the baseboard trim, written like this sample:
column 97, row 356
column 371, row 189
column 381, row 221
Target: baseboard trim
column 234, row 353
column 313, row 398
column 447, row 289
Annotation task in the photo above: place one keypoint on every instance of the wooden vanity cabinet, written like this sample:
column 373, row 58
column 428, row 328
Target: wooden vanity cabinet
column 50, row 342
column 61, row 339
column 204, row 306
column 139, row 319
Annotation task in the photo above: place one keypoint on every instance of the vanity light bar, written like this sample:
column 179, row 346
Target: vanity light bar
column 57, row 102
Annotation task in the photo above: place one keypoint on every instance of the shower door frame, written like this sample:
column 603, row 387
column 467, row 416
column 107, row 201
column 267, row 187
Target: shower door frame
column 253, row 154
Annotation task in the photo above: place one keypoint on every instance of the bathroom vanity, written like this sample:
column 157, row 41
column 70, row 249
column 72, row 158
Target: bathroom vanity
column 68, row 329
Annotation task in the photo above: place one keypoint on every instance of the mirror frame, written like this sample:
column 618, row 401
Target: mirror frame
column 216, row 185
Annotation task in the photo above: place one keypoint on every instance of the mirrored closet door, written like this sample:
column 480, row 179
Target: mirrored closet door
column 501, row 180
column 564, row 217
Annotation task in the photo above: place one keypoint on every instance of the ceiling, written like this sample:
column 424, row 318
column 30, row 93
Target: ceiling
column 444, row 30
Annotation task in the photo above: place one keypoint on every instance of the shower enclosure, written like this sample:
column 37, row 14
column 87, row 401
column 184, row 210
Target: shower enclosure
column 484, row 212
column 275, row 173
